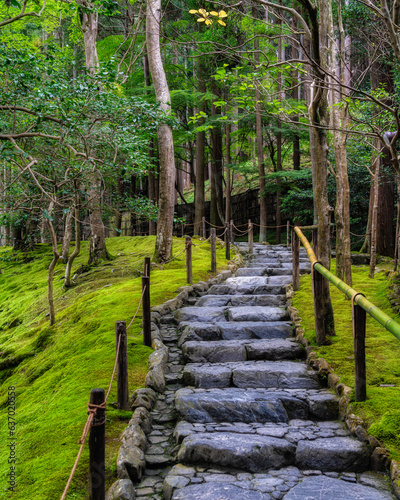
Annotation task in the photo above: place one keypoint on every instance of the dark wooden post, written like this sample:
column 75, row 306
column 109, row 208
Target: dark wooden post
column 359, row 324
column 146, row 311
column 146, row 270
column 204, row 228
column 182, row 230
column 250, row 237
column 97, row 448
column 317, row 289
column 296, row 270
column 122, row 366
column 287, row 233
column 227, row 242
column 315, row 241
column 213, row 243
column 231, row 233
column 189, row 274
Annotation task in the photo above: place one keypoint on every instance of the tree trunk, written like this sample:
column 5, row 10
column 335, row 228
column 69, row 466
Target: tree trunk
column 165, row 224
column 97, row 246
column 67, row 235
column 217, row 199
column 228, row 207
column 90, row 24
column 260, row 151
column 374, row 217
column 77, row 249
column 319, row 123
column 52, row 266
column 340, row 120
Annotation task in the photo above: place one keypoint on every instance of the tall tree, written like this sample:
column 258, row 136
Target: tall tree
column 165, row 140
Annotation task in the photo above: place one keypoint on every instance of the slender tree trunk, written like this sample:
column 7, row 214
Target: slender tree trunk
column 260, row 149
column 77, row 249
column 97, row 246
column 374, row 217
column 165, row 224
column 118, row 207
column 199, row 198
column 53, row 263
column 340, row 120
column 228, row 209
column 67, row 235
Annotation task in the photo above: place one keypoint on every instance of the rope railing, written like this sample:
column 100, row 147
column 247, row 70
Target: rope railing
column 359, row 302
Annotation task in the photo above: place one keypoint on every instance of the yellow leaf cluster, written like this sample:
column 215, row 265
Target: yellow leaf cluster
column 205, row 16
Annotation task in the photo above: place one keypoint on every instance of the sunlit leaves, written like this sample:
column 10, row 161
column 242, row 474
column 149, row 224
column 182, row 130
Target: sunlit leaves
column 205, row 16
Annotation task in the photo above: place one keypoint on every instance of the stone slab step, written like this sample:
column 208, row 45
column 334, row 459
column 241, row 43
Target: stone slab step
column 225, row 486
column 244, row 289
column 241, row 300
column 251, row 374
column 254, row 281
column 263, row 271
column 241, row 350
column 223, row 314
column 294, row 431
column 255, row 405
column 255, row 453
column 234, row 330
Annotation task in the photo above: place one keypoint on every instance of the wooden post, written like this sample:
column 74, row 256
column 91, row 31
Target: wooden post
column 204, row 228
column 227, row 242
column 182, row 230
column 231, row 233
column 213, row 241
column 146, row 271
column 250, row 237
column 97, row 448
column 189, row 274
column 296, row 270
column 317, row 289
column 315, row 241
column 287, row 233
column 359, row 324
column 122, row 366
column 146, row 311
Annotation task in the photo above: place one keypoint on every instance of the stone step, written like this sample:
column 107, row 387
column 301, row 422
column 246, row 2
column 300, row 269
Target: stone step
column 263, row 271
column 289, row 483
column 223, row 314
column 304, row 263
column 251, row 374
column 234, row 330
column 241, row 300
column 241, row 350
column 256, row 453
column 256, row 405
column 232, row 289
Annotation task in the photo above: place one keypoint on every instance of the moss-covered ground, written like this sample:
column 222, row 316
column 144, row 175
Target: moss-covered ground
column 54, row 368
column 382, row 409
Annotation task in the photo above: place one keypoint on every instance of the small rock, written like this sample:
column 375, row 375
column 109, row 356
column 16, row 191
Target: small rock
column 121, row 490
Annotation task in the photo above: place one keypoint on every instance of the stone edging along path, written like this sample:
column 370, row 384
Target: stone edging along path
column 245, row 417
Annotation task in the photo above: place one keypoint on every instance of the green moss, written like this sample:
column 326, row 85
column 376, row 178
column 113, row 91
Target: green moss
column 382, row 408
column 54, row 369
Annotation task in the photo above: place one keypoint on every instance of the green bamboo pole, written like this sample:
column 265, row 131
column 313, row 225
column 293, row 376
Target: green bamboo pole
column 381, row 317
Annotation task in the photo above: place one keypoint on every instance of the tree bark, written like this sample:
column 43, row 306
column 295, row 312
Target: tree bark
column 67, row 235
column 90, row 24
column 163, row 248
column 340, row 120
column 77, row 249
column 260, row 149
column 97, row 246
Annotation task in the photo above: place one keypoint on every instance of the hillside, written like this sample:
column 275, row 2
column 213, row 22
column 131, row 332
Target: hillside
column 53, row 369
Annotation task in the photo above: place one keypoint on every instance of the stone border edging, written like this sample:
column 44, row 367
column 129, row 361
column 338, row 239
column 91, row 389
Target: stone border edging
column 131, row 458
column 380, row 459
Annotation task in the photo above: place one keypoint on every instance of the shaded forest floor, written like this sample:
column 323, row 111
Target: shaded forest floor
column 382, row 409
column 54, row 368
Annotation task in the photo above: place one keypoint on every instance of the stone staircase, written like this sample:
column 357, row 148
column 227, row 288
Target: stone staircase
column 245, row 418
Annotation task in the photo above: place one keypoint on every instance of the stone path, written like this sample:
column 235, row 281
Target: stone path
column 245, row 418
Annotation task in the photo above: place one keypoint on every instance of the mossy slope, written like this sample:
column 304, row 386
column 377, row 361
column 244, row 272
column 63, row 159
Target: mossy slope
column 54, row 368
